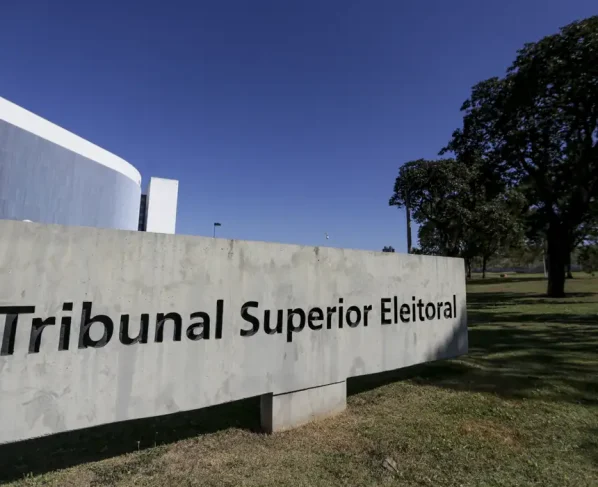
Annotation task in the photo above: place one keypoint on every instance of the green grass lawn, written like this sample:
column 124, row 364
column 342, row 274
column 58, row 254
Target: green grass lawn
column 521, row 409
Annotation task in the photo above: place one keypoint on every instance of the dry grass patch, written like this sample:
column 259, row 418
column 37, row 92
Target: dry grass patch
column 491, row 431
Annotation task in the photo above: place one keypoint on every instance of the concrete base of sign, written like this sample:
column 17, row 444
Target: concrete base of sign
column 284, row 411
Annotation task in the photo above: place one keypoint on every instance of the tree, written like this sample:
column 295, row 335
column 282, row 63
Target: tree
column 588, row 258
column 496, row 225
column 537, row 128
column 388, row 248
column 408, row 224
column 433, row 189
column 461, row 210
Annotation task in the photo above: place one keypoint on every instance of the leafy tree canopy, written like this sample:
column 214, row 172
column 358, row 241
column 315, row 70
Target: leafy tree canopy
column 536, row 130
column 459, row 208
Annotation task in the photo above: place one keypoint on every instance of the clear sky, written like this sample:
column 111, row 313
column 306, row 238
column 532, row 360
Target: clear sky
column 282, row 119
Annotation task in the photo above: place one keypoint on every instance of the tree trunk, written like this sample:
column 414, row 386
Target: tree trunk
column 468, row 268
column 484, row 262
column 408, row 217
column 569, row 275
column 557, row 259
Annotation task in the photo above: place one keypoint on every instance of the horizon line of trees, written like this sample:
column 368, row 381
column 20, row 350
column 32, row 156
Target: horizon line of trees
column 522, row 170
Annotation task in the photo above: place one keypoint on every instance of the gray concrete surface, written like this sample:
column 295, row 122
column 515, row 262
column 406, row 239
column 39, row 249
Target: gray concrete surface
column 283, row 411
column 67, row 364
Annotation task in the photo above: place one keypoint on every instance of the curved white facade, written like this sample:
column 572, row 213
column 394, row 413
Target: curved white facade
column 50, row 175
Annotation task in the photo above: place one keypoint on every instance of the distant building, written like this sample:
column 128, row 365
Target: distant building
column 160, row 205
column 50, row 175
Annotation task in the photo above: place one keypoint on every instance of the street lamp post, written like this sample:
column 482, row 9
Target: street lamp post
column 216, row 224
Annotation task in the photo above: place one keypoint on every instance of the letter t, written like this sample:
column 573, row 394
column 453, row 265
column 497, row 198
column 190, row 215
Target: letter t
column 10, row 326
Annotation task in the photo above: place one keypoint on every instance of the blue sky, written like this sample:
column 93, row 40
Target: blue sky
column 282, row 119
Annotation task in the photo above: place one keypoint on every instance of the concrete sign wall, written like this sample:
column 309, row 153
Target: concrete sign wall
column 99, row 326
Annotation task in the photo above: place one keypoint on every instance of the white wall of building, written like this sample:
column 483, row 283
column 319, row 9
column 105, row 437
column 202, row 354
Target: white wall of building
column 162, row 197
column 50, row 175
column 30, row 122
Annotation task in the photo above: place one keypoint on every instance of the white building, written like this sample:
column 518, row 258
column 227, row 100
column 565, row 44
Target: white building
column 158, row 206
column 50, row 175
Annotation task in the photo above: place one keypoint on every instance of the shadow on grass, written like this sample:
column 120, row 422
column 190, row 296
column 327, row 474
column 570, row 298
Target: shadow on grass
column 41, row 455
column 363, row 383
column 553, row 362
column 590, row 448
column 532, row 354
column 480, row 317
column 477, row 301
column 502, row 280
column 532, row 373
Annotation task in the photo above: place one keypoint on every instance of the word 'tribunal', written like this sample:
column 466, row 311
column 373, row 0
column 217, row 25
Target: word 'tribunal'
column 272, row 322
